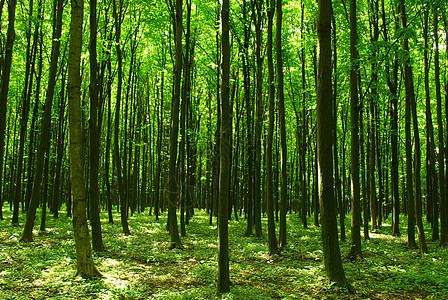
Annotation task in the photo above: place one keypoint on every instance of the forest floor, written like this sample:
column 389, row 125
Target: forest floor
column 140, row 266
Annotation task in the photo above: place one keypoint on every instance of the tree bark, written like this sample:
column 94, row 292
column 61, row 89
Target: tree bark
column 281, row 116
column 4, row 84
column 27, row 235
column 409, row 98
column 441, row 160
column 257, row 6
column 172, row 184
column 355, row 250
column 84, row 259
column 94, row 134
column 117, row 158
column 332, row 256
column 273, row 249
column 225, row 155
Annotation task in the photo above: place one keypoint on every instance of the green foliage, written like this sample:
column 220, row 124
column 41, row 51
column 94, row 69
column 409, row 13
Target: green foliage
column 141, row 266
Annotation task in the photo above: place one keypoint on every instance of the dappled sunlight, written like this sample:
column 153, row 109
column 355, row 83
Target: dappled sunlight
column 140, row 266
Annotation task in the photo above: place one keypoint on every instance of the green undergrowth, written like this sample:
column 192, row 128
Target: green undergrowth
column 140, row 266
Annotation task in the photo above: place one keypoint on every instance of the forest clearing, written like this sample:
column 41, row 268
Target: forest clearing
column 140, row 266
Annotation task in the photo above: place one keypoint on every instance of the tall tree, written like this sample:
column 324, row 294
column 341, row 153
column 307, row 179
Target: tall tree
column 117, row 12
column 441, row 161
column 355, row 250
column 281, row 117
column 27, row 235
column 27, row 87
column 176, row 14
column 431, row 178
column 248, row 100
column 84, row 258
column 257, row 7
column 95, row 222
column 273, row 249
column 4, row 84
column 409, row 86
column 225, row 154
column 332, row 255
column 392, row 82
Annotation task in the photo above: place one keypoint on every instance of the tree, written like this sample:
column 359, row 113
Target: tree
column 4, row 85
column 355, row 250
column 332, row 255
column 281, row 116
column 225, row 154
column 176, row 14
column 273, row 249
column 84, row 259
column 95, row 222
column 27, row 235
column 117, row 12
column 431, row 175
column 409, row 86
column 257, row 7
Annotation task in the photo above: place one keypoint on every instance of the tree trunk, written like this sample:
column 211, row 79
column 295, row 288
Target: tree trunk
column 172, row 184
column 273, row 249
column 84, row 259
column 339, row 195
column 430, row 144
column 4, row 83
column 332, row 256
column 117, row 158
column 441, row 161
column 27, row 87
column 355, row 250
column 281, row 116
column 257, row 6
column 94, row 134
column 409, row 98
column 27, row 235
column 225, row 155
column 249, row 147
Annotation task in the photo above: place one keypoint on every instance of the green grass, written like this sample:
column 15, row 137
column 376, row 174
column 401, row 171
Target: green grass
column 140, row 266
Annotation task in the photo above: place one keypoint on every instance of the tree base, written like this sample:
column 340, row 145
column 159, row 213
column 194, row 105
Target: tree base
column 94, row 273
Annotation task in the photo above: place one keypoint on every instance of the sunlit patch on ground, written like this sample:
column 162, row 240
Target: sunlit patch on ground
column 140, row 266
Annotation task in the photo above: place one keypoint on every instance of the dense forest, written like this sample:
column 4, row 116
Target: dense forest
column 226, row 121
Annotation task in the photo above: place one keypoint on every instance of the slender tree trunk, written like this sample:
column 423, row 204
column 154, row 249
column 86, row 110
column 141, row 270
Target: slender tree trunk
column 441, row 161
column 225, row 155
column 60, row 147
column 4, row 83
column 257, row 6
column 108, row 141
column 117, row 158
column 172, row 184
column 84, row 259
column 417, row 170
column 249, row 147
column 409, row 85
column 430, row 144
column 44, row 202
column 94, row 134
column 273, row 249
column 355, row 250
column 28, row 82
column 339, row 195
column 281, row 116
column 27, row 235
column 159, row 147
column 332, row 255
